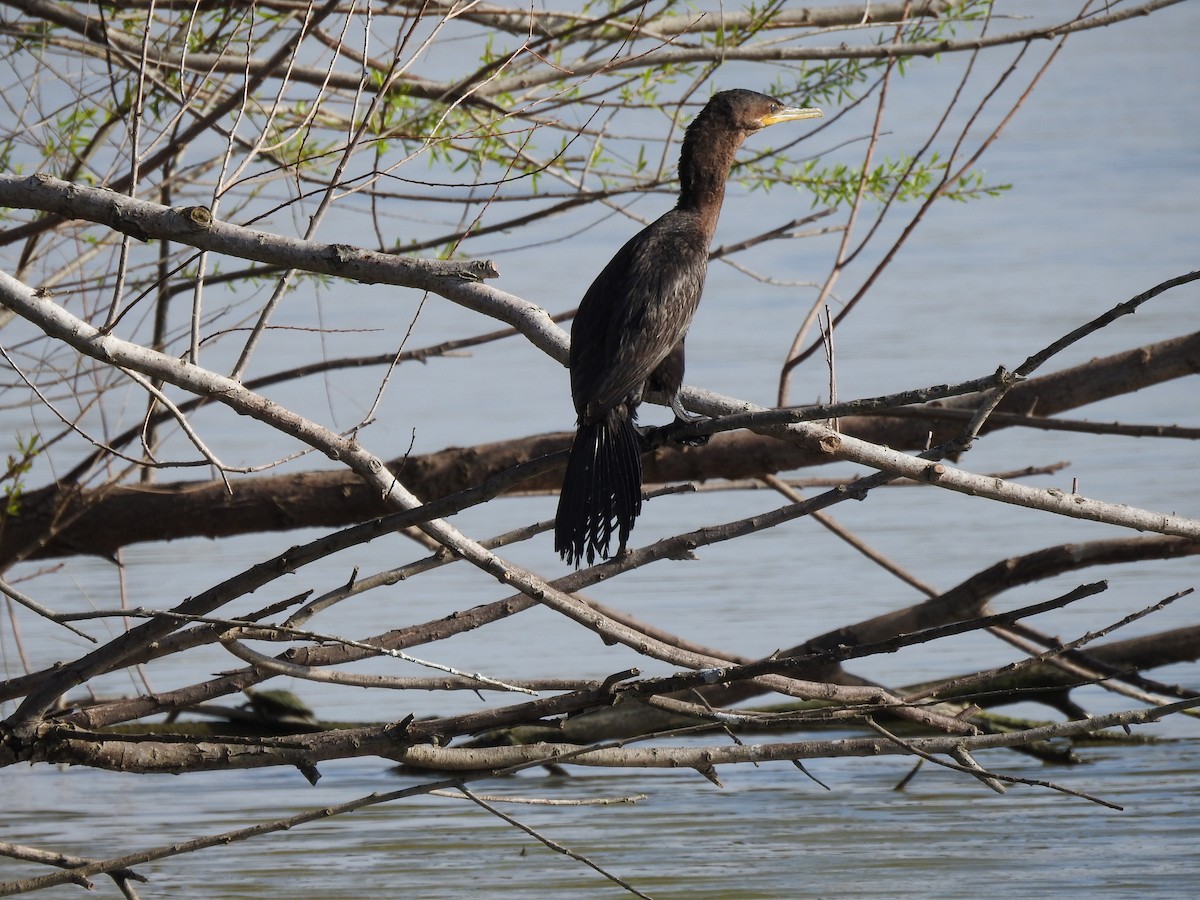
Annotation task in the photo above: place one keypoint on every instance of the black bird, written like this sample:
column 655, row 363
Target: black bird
column 628, row 334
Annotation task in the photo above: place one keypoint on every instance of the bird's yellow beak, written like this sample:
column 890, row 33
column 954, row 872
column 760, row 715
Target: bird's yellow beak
column 791, row 113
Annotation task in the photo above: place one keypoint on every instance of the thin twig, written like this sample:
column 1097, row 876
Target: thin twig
column 976, row 771
column 553, row 845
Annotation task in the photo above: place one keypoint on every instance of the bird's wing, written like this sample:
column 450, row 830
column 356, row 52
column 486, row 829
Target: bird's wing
column 634, row 313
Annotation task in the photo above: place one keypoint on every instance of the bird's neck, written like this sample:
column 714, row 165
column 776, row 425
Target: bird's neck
column 704, row 165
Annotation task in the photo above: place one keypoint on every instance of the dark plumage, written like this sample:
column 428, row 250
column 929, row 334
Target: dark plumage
column 628, row 334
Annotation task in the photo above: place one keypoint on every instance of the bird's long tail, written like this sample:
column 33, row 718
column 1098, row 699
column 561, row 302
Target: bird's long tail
column 602, row 488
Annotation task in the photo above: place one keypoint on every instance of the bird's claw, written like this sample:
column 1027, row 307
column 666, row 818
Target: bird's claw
column 684, row 418
column 696, row 440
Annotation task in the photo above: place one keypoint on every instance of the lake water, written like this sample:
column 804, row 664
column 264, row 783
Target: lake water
column 1105, row 163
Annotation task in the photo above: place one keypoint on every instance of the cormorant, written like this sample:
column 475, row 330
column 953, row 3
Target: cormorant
column 628, row 334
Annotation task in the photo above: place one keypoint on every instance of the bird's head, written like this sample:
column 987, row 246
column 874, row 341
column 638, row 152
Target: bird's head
column 750, row 111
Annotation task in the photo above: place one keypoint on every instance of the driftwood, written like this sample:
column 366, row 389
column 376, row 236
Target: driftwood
column 65, row 520
column 1041, row 682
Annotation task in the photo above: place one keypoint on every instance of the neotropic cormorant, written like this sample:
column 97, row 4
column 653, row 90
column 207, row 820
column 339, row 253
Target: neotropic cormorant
column 628, row 334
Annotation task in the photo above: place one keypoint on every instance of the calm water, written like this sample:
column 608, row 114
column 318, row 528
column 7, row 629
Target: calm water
column 1106, row 167
column 768, row 833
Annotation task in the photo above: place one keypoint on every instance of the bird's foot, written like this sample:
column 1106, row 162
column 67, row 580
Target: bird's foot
column 682, row 416
column 685, row 418
column 656, row 435
column 695, row 440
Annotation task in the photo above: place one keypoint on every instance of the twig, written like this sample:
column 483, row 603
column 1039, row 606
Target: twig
column 1043, row 423
column 540, row 801
column 831, row 524
column 973, row 768
column 959, row 683
column 471, row 680
column 256, row 630
column 553, row 845
column 121, row 877
column 229, row 837
column 33, row 606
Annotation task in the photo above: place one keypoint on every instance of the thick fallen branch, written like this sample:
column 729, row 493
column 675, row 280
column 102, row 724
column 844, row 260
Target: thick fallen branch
column 65, row 520
column 147, row 754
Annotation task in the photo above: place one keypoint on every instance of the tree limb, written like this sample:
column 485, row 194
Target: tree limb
column 65, row 520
